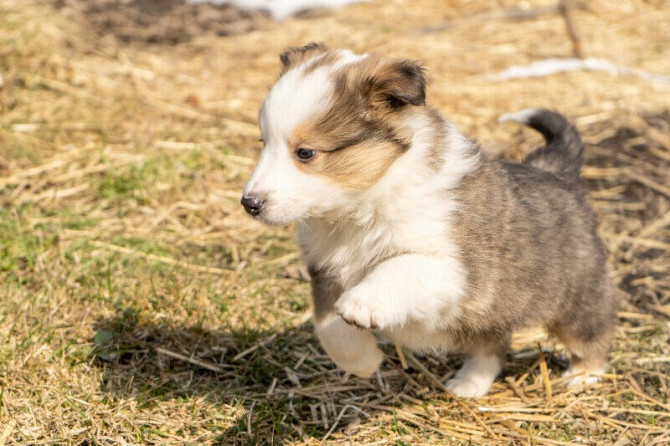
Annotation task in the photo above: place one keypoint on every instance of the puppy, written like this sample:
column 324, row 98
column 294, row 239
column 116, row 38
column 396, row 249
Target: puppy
column 409, row 230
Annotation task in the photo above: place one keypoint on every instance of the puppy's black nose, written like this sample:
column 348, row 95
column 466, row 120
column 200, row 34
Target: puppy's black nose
column 252, row 204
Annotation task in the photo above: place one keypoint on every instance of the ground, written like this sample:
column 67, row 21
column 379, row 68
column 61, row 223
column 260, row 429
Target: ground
column 140, row 305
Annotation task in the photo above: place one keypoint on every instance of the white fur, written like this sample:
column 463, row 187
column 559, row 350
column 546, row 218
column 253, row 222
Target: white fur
column 522, row 116
column 390, row 294
column 476, row 376
column 352, row 349
column 419, row 337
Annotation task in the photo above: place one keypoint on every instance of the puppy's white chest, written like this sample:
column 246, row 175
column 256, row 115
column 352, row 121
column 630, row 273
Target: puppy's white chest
column 346, row 253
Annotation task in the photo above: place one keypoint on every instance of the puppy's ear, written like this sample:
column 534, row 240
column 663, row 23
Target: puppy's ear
column 295, row 55
column 396, row 83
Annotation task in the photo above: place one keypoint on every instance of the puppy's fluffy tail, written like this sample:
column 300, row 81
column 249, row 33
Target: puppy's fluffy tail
column 563, row 153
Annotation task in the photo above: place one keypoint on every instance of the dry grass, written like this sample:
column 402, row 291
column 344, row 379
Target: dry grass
column 139, row 305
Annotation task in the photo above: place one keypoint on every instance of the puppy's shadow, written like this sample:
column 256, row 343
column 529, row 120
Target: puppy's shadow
column 269, row 383
column 284, row 388
column 167, row 361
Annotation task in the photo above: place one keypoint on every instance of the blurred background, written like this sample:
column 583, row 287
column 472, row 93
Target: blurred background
column 140, row 305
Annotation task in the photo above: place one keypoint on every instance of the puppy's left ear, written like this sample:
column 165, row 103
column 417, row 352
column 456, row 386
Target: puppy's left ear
column 291, row 57
column 396, row 83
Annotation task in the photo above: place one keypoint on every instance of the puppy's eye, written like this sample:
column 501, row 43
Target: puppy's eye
column 305, row 154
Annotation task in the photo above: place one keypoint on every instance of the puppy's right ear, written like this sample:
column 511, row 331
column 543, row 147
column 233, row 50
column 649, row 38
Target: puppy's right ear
column 295, row 55
column 395, row 83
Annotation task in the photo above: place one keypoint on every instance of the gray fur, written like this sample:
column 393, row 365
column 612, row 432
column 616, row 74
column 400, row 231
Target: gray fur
column 529, row 243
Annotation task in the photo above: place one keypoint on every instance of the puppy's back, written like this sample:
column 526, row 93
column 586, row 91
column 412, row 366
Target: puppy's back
column 528, row 240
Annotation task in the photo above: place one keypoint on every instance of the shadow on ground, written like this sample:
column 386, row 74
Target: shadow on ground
column 154, row 363
column 286, row 389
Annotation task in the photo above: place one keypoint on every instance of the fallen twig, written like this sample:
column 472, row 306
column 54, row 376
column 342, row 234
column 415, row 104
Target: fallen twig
column 197, row 362
column 161, row 259
column 566, row 7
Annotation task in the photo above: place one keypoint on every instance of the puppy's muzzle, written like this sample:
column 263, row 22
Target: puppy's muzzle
column 252, row 203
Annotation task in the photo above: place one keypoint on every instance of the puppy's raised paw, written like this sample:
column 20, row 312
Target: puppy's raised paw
column 364, row 309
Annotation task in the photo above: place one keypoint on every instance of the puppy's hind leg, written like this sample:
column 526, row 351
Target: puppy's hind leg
column 354, row 350
column 480, row 369
column 588, row 351
column 587, row 335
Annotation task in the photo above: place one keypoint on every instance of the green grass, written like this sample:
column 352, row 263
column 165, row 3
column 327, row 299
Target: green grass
column 19, row 248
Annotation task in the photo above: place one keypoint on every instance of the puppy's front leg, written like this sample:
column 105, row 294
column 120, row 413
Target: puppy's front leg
column 407, row 287
column 353, row 350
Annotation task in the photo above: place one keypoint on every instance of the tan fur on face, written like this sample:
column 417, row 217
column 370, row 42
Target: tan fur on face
column 363, row 130
column 355, row 167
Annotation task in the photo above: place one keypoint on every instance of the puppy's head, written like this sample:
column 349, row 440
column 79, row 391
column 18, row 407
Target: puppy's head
column 331, row 125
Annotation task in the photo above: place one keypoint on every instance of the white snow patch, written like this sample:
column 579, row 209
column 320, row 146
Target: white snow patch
column 552, row 66
column 280, row 9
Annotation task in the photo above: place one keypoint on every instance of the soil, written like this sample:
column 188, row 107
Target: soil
column 162, row 21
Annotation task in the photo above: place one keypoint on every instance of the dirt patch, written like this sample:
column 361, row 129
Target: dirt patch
column 163, row 21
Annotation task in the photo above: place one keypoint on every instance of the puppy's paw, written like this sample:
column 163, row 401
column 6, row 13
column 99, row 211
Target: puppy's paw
column 467, row 388
column 364, row 309
column 474, row 379
column 580, row 378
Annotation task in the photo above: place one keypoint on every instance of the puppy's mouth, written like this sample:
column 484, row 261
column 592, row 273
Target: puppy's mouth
column 271, row 222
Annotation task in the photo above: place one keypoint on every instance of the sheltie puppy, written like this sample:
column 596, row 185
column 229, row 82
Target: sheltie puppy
column 410, row 231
